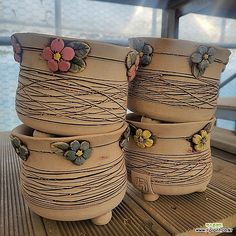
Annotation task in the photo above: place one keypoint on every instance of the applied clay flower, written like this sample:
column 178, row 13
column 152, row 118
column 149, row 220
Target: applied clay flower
column 125, row 137
column 58, row 56
column 201, row 60
column 200, row 140
column 21, row 150
column 143, row 138
column 17, row 50
column 132, row 63
column 76, row 151
column 145, row 51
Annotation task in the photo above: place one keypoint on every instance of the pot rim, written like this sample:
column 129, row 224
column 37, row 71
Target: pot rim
column 95, row 42
column 18, row 131
column 171, row 124
column 183, row 41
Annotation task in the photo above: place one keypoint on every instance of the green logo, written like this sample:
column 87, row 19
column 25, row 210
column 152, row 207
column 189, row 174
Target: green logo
column 214, row 225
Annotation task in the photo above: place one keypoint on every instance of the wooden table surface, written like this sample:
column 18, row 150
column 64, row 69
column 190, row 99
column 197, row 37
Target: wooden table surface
column 169, row 215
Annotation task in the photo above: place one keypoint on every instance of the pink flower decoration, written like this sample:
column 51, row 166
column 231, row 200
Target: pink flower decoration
column 58, row 56
column 133, row 69
column 16, row 49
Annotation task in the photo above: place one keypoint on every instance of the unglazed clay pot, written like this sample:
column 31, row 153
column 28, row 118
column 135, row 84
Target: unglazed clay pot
column 71, row 178
column 177, row 80
column 69, row 86
column 168, row 159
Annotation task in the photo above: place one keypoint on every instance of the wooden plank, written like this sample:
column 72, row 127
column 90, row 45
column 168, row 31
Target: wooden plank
column 225, row 168
column 128, row 219
column 17, row 220
column 181, row 215
column 229, row 157
column 227, row 103
column 224, row 139
column 169, row 215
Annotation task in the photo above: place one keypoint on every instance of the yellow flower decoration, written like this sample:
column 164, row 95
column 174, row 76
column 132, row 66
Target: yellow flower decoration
column 200, row 140
column 143, row 139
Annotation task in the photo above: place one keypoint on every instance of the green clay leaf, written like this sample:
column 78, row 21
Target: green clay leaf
column 123, row 142
column 74, row 68
column 59, row 147
column 75, row 145
column 70, row 155
column 81, row 49
column 79, row 161
column 23, row 153
column 132, row 129
column 84, row 145
column 130, row 59
column 127, row 132
column 197, row 73
column 15, row 141
column 77, row 65
column 208, row 127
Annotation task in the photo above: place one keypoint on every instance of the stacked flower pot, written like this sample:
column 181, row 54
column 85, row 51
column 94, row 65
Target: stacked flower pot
column 173, row 97
column 72, row 99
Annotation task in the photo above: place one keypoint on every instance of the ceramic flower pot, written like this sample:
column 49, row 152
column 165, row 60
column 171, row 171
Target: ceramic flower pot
column 69, row 86
column 177, row 80
column 71, row 178
column 168, row 159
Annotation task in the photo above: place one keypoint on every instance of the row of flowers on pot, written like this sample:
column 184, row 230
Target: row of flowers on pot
column 79, row 151
column 64, row 56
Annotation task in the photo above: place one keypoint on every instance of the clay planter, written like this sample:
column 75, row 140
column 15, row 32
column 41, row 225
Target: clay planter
column 69, row 86
column 71, row 178
column 177, row 80
column 168, row 159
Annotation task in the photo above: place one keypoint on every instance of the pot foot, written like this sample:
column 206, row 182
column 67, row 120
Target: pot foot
column 150, row 197
column 103, row 219
column 202, row 190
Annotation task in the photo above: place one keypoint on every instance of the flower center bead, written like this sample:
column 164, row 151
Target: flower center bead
column 57, row 56
column 203, row 140
column 141, row 139
column 205, row 56
column 79, row 153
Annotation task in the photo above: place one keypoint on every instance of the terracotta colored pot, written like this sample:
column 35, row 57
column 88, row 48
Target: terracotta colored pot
column 169, row 162
column 81, row 90
column 177, row 80
column 59, row 187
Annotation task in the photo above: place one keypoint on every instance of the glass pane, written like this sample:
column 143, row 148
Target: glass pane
column 226, row 124
column 26, row 16
column 229, row 89
column 204, row 28
column 102, row 21
column 9, row 70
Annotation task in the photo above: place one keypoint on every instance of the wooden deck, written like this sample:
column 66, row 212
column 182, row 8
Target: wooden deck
column 170, row 215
